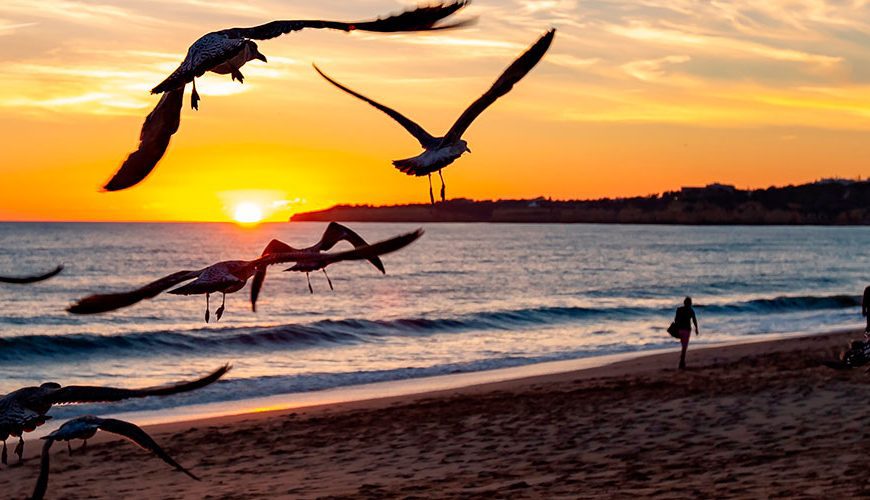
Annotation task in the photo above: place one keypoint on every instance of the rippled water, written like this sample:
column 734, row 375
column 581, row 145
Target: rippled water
column 465, row 297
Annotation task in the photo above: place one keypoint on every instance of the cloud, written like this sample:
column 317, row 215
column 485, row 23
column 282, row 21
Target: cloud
column 654, row 69
column 7, row 28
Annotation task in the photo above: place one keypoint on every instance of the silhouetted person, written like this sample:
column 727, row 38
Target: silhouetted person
column 865, row 308
column 684, row 318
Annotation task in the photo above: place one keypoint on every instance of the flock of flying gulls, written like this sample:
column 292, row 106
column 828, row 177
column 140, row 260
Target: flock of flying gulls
column 225, row 52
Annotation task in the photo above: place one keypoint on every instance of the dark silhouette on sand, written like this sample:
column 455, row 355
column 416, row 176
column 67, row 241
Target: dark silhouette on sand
column 85, row 428
column 231, row 276
column 442, row 151
column 333, row 234
column 26, row 409
column 865, row 308
column 684, row 318
column 856, row 356
column 25, row 280
column 225, row 52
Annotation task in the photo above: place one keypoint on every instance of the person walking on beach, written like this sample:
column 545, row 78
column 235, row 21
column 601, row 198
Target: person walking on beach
column 683, row 319
column 865, row 308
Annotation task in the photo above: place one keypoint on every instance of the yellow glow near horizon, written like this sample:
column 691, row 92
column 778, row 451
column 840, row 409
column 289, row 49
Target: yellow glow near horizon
column 633, row 98
column 248, row 213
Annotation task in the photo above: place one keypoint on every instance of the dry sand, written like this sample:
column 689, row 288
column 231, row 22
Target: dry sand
column 759, row 420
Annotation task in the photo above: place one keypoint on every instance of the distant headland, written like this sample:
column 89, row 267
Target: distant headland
column 826, row 202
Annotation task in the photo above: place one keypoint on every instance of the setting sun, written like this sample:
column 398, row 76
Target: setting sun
column 248, row 213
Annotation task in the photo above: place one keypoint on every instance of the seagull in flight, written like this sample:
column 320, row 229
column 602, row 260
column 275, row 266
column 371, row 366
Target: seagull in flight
column 85, row 428
column 225, row 52
column 232, row 275
column 26, row 409
column 25, row 280
column 442, row 151
column 333, row 234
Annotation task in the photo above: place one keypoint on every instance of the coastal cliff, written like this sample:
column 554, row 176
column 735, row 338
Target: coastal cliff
column 833, row 202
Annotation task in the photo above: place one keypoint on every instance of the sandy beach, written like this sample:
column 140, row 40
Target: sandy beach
column 753, row 420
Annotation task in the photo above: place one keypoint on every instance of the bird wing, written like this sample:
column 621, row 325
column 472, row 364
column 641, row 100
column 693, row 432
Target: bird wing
column 23, row 280
column 75, row 394
column 44, row 464
column 100, row 303
column 513, row 74
column 14, row 414
column 425, row 138
column 362, row 253
column 135, row 434
column 336, row 232
column 274, row 246
column 157, row 130
column 419, row 19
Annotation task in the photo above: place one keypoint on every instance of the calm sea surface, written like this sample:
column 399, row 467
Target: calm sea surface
column 465, row 297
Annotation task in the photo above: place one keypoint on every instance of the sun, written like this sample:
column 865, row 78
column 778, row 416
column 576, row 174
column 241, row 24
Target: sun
column 248, row 213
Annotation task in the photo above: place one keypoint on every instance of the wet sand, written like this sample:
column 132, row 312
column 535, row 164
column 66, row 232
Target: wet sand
column 754, row 420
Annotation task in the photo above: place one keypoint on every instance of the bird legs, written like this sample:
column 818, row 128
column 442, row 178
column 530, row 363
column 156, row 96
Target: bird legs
column 82, row 449
column 19, row 449
column 220, row 310
column 327, row 279
column 194, row 99
column 443, row 187
column 308, row 277
column 431, row 196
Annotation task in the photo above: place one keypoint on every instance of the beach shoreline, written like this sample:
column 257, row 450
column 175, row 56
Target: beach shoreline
column 762, row 418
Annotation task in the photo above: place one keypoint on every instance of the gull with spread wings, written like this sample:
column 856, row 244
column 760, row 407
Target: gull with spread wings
column 26, row 409
column 232, row 275
column 25, row 280
column 225, row 52
column 85, row 428
column 333, row 234
column 442, row 151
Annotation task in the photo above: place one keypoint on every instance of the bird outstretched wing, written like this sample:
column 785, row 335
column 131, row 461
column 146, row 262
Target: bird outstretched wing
column 106, row 302
column 363, row 253
column 424, row 138
column 336, row 232
column 23, row 280
column 44, row 466
column 419, row 19
column 135, row 434
column 513, row 74
column 75, row 394
column 157, row 130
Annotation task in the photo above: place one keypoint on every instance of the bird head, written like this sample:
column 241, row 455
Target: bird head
column 464, row 146
column 254, row 52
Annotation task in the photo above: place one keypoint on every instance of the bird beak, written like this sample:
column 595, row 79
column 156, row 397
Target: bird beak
column 468, row 149
column 260, row 56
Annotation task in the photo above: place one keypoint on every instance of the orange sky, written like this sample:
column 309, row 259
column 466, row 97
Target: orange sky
column 635, row 97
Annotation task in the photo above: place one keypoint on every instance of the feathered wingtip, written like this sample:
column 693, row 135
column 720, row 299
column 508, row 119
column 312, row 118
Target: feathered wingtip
column 424, row 18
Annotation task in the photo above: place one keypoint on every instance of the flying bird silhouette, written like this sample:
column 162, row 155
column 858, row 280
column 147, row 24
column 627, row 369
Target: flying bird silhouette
column 442, row 151
column 24, row 280
column 85, row 428
column 225, row 52
column 333, row 234
column 232, row 275
column 26, row 409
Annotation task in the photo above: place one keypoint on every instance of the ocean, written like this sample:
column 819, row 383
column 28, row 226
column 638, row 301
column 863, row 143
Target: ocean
column 464, row 298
